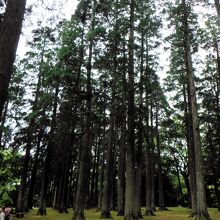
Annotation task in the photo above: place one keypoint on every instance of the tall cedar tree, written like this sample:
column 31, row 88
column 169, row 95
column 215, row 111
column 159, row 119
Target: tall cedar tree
column 84, row 166
column 201, row 206
column 108, row 181
column 130, row 211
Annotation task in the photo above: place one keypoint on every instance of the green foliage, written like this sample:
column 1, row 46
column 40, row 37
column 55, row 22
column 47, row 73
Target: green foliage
column 9, row 175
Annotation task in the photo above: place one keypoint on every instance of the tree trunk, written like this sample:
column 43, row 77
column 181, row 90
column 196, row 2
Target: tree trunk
column 121, row 170
column 30, row 131
column 65, row 177
column 217, row 6
column 180, row 191
column 217, row 193
column 130, row 212
column 93, row 176
column 10, row 30
column 48, row 159
column 34, row 172
column 108, row 181
column 3, row 119
column 191, row 164
column 122, row 147
column 97, row 164
column 139, row 154
column 159, row 165
column 201, row 209
column 148, row 155
column 82, row 185
column 152, row 159
column 102, row 173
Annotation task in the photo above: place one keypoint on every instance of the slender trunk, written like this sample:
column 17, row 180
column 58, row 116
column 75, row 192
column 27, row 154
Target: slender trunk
column 191, row 164
column 82, row 185
column 108, row 181
column 64, row 198
column 159, row 165
column 217, row 6
column 10, row 30
column 30, row 131
column 48, row 159
column 3, row 119
column 121, row 171
column 107, row 192
column 201, row 211
column 97, row 163
column 217, row 193
column 180, row 191
column 186, row 181
column 217, row 102
column 34, row 172
column 152, row 159
column 113, row 204
column 216, row 45
column 139, row 154
column 93, row 177
column 102, row 174
column 148, row 208
column 122, row 147
column 130, row 212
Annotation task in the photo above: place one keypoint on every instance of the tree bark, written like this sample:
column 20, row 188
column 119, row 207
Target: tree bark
column 217, row 6
column 48, row 159
column 108, row 181
column 201, row 209
column 130, row 212
column 34, row 172
column 82, row 185
column 159, row 165
column 30, row 131
column 190, row 143
column 102, row 173
column 152, row 158
column 148, row 154
column 3, row 119
column 122, row 149
column 10, row 30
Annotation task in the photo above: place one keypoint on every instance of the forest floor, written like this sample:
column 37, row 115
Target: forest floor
column 177, row 213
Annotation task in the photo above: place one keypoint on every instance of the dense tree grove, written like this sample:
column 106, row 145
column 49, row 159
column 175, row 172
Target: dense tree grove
column 93, row 117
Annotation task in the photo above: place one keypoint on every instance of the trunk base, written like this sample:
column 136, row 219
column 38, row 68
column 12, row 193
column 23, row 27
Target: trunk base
column 162, row 209
column 78, row 216
column 202, row 216
column 120, row 213
column 19, row 214
column 63, row 210
column 42, row 212
column 140, row 215
column 149, row 212
column 131, row 216
column 192, row 214
column 105, row 215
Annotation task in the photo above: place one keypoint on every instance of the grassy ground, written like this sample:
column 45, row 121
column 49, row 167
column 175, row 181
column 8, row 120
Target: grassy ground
column 177, row 213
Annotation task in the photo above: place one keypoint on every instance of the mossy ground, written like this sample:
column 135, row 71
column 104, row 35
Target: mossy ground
column 177, row 213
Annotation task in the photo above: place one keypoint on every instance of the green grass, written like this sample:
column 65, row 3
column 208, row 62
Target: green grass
column 177, row 213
